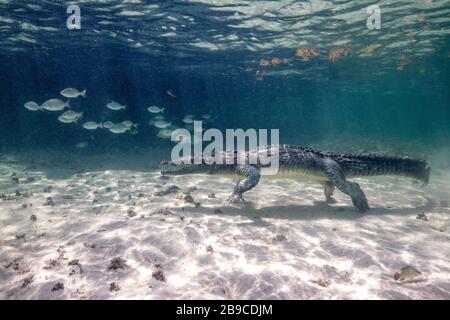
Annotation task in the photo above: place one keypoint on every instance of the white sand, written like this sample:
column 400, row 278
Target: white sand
column 284, row 243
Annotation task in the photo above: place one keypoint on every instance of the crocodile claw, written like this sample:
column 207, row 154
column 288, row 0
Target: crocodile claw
column 235, row 198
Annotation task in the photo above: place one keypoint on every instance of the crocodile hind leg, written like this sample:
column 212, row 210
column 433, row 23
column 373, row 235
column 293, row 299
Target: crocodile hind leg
column 251, row 178
column 337, row 177
column 328, row 189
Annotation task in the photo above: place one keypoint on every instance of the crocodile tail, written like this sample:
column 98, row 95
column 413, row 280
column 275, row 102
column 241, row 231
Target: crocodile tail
column 372, row 165
column 417, row 169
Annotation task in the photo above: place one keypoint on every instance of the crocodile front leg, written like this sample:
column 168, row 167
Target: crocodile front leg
column 328, row 189
column 251, row 178
column 337, row 177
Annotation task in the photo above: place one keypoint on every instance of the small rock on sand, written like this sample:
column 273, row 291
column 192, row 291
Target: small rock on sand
column 280, row 237
column 322, row 282
column 90, row 245
column 33, row 218
column 131, row 213
column 407, row 274
column 49, row 202
column 114, row 286
column 58, row 286
column 26, row 282
column 169, row 189
column 422, row 216
column 159, row 275
column 20, row 236
column 117, row 263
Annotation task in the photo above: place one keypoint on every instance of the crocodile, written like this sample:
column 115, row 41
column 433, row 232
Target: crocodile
column 331, row 169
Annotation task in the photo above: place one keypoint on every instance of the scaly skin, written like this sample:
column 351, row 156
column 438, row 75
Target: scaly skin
column 331, row 169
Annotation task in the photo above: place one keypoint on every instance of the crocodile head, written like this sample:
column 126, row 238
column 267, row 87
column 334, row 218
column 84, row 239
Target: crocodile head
column 168, row 167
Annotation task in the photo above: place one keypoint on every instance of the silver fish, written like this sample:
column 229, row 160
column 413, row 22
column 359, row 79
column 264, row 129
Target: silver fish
column 164, row 133
column 70, row 114
column 162, row 124
column 115, row 106
column 188, row 119
column 155, row 109
column 73, row 93
column 107, row 124
column 81, row 145
column 55, row 105
column 118, row 128
column 129, row 124
column 66, row 120
column 32, row 106
column 91, row 125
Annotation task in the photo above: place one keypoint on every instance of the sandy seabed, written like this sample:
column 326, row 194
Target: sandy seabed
column 70, row 230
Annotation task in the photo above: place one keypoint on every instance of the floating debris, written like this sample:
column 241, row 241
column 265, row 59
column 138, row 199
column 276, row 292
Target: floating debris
column 369, row 49
column 404, row 61
column 171, row 93
column 307, row 53
column 336, row 53
column 264, row 63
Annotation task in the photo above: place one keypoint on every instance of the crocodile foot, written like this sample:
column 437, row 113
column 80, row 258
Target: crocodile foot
column 235, row 198
column 331, row 200
column 360, row 203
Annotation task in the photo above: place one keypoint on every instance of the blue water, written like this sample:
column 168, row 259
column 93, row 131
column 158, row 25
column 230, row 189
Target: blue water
column 363, row 102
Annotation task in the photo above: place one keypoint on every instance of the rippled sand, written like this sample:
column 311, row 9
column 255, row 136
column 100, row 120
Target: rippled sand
column 284, row 243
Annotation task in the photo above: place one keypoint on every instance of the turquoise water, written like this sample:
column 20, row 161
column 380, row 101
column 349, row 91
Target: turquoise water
column 382, row 90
